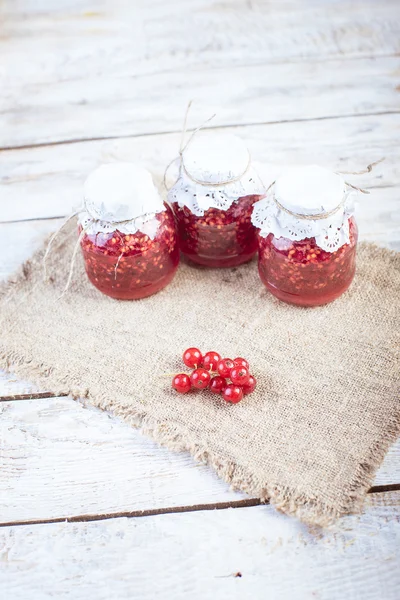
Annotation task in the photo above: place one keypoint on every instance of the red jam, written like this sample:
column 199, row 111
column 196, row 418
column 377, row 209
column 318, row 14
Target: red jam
column 299, row 272
column 220, row 238
column 132, row 266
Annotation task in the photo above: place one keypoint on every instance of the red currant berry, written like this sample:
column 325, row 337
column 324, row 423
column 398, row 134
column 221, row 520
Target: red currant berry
column 233, row 393
column 200, row 379
column 181, row 383
column 224, row 367
column 241, row 362
column 211, row 360
column 250, row 386
column 192, row 358
column 239, row 375
column 217, row 384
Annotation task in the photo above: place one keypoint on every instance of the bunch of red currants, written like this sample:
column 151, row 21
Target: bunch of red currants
column 224, row 369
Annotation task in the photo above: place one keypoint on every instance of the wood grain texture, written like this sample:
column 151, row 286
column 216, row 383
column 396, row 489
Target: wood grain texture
column 135, row 68
column 10, row 386
column 18, row 241
column 200, row 555
column 95, row 107
column 60, row 459
column 47, row 181
column 118, row 38
column 53, row 447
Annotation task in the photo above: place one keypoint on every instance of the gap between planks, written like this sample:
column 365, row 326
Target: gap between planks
column 170, row 510
column 33, row 396
column 173, row 132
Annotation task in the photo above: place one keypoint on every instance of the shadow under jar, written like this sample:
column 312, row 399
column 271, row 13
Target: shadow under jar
column 213, row 200
column 131, row 258
column 308, row 237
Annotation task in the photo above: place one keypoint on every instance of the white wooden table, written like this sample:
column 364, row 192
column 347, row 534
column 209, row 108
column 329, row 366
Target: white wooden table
column 89, row 509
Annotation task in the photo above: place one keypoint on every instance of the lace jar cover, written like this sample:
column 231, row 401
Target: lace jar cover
column 214, row 172
column 129, row 205
column 307, row 202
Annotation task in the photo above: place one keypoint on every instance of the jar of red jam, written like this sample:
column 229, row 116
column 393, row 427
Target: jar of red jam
column 127, row 233
column 213, row 199
column 307, row 236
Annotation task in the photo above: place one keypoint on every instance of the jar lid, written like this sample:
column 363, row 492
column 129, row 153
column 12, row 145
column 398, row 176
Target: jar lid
column 215, row 159
column 309, row 190
column 121, row 191
column 307, row 202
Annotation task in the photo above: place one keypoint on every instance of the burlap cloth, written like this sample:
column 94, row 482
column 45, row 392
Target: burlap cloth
column 326, row 409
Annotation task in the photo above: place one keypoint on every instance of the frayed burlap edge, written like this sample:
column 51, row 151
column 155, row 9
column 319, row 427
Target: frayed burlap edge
column 308, row 509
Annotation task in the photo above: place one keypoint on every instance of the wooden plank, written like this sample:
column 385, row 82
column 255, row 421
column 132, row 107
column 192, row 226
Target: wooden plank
column 117, row 39
column 44, row 182
column 53, row 447
column 378, row 217
column 34, row 113
column 18, row 241
column 50, row 449
column 235, row 553
column 12, row 386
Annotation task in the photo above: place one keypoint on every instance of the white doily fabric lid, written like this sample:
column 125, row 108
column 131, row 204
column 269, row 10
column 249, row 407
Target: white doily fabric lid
column 121, row 191
column 301, row 193
column 309, row 190
column 213, row 172
column 120, row 196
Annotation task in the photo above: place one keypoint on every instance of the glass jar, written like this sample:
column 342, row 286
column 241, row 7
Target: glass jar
column 307, row 237
column 127, row 234
column 213, row 199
